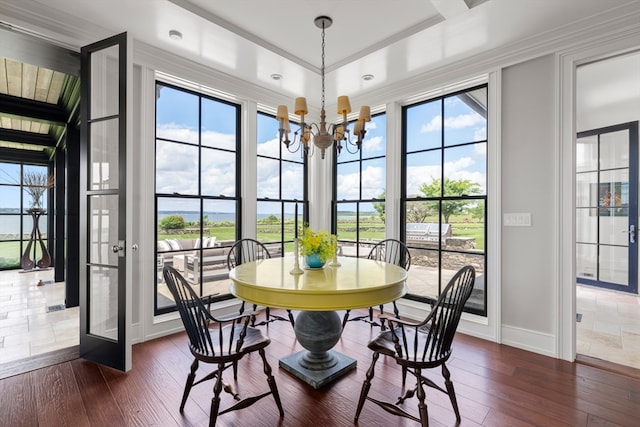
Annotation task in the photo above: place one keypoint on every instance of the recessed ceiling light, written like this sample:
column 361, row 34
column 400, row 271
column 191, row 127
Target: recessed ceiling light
column 175, row 35
column 367, row 77
column 276, row 76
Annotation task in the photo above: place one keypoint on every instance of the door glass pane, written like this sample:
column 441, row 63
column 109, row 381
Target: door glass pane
column 103, row 223
column 586, row 225
column 587, row 190
column 614, row 264
column 586, row 256
column 103, row 155
column 104, row 82
column 103, row 302
column 587, row 154
column 614, row 150
column 613, row 204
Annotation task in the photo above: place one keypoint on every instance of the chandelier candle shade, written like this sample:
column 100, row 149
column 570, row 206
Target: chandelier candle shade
column 322, row 137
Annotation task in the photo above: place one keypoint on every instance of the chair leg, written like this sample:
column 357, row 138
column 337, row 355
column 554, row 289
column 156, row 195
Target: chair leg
column 382, row 326
column 253, row 317
column 366, row 385
column 187, row 387
column 268, row 313
column 215, row 400
column 450, row 391
column 422, row 406
column 271, row 381
column 345, row 319
column 293, row 322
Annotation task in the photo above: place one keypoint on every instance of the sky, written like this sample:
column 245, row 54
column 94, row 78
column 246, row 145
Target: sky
column 177, row 164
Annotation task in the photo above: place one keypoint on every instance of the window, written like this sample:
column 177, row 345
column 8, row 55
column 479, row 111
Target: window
column 281, row 189
column 359, row 192
column 197, row 205
column 16, row 223
column 444, row 194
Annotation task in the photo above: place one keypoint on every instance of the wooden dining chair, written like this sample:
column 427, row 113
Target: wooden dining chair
column 247, row 250
column 417, row 346
column 392, row 251
column 219, row 341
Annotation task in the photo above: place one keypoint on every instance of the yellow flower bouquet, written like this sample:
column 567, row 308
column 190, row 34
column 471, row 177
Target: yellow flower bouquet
column 320, row 244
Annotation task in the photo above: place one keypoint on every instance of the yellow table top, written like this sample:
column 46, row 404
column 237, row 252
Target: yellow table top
column 357, row 283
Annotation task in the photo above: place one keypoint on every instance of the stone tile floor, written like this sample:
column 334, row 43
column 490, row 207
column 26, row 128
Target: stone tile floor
column 28, row 327
column 610, row 325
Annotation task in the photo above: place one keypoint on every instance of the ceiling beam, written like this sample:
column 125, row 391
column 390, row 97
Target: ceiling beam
column 450, row 8
column 11, row 135
column 28, row 109
column 11, row 154
column 26, row 48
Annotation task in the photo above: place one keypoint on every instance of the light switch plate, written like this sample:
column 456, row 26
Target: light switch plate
column 517, row 219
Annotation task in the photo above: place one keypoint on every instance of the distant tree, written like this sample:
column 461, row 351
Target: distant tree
column 419, row 211
column 271, row 219
column 380, row 206
column 172, row 222
column 477, row 212
column 451, row 187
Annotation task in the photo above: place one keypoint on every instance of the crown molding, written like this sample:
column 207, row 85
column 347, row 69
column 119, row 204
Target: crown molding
column 621, row 23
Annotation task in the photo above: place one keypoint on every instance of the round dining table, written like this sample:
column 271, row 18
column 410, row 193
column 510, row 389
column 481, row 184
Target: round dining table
column 344, row 283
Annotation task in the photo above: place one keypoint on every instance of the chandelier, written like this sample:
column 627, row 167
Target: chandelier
column 322, row 137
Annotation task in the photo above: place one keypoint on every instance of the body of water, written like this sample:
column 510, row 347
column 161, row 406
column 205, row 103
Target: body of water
column 10, row 224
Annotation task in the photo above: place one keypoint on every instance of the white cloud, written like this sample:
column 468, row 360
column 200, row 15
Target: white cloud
column 373, row 144
column 457, row 122
column 373, row 179
column 457, row 170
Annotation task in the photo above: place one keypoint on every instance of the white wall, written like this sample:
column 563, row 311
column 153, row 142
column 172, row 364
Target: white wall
column 608, row 92
column 529, row 185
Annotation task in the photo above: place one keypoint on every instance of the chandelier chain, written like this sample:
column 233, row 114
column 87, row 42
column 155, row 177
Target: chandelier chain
column 322, row 68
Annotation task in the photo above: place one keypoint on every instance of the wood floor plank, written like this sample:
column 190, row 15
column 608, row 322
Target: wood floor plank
column 58, row 398
column 18, row 402
column 137, row 401
column 100, row 405
column 496, row 386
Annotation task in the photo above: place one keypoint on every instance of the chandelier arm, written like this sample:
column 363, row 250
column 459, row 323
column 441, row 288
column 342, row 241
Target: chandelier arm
column 319, row 135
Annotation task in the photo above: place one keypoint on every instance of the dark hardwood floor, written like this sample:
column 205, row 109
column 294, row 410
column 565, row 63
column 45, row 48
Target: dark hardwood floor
column 496, row 385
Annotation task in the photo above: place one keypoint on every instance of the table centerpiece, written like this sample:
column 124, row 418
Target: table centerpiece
column 317, row 247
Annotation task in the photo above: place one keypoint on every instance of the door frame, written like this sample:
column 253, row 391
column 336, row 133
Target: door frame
column 567, row 62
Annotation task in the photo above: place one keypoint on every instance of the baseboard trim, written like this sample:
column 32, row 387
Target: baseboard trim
column 529, row 340
column 43, row 360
